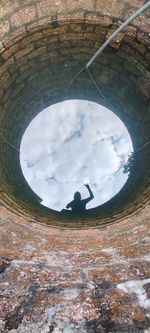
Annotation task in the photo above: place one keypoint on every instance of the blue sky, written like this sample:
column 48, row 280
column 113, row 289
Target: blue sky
column 72, row 143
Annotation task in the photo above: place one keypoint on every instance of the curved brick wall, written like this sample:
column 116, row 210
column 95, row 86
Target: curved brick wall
column 61, row 280
column 44, row 44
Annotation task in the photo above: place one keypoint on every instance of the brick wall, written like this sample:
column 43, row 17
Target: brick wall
column 63, row 280
column 61, row 37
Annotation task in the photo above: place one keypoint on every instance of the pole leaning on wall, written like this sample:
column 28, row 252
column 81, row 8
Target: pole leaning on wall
column 115, row 33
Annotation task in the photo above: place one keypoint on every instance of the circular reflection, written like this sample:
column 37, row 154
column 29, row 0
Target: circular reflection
column 72, row 143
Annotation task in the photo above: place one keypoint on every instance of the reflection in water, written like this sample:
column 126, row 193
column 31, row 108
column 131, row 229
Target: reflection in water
column 72, row 143
column 78, row 205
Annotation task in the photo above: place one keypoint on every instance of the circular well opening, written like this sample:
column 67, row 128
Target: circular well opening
column 39, row 76
column 73, row 143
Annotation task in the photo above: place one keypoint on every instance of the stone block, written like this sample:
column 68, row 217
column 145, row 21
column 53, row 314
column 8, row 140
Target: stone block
column 129, row 50
column 143, row 38
column 71, row 17
column 6, row 7
column 4, row 79
column 112, row 9
column 38, row 52
column 71, row 36
column 11, row 51
column 23, row 16
column 31, row 39
column 19, row 63
column 50, row 7
column 75, row 27
column 80, row 4
column 102, row 21
column 92, row 36
column 4, row 28
column 16, row 36
column 134, row 44
column 130, row 31
column 55, row 32
column 24, row 52
column 117, row 39
column 7, row 65
column 87, row 27
column 101, row 30
column 2, row 48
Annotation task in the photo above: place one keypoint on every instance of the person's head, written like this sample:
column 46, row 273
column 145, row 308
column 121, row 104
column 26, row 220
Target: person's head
column 77, row 196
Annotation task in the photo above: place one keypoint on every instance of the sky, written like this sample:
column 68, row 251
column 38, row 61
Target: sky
column 72, row 143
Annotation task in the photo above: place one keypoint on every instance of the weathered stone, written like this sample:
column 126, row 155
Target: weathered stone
column 31, row 39
column 24, row 16
column 144, row 39
column 139, row 47
column 46, row 8
column 117, row 39
column 4, row 28
column 10, row 52
column 37, row 52
column 6, row 7
column 73, row 17
column 130, row 31
column 75, row 27
column 71, row 36
column 74, row 4
column 75, row 279
column 16, row 36
column 6, row 65
column 24, row 52
column 93, row 36
column 56, row 269
column 2, row 48
column 101, row 21
column 113, row 9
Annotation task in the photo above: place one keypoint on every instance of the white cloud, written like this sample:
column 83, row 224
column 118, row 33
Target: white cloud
column 71, row 143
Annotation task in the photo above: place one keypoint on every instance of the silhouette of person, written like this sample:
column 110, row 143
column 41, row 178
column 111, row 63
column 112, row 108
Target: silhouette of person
column 78, row 205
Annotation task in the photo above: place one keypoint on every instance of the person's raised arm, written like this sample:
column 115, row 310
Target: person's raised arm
column 69, row 205
column 90, row 192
